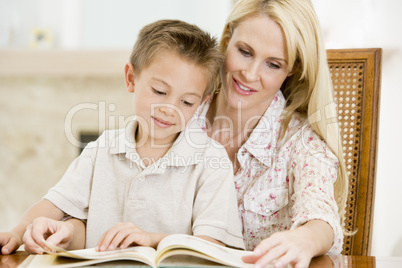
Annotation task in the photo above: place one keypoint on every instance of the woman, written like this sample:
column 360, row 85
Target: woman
column 275, row 115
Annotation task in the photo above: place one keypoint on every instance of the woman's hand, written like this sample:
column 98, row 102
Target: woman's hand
column 126, row 233
column 296, row 247
column 9, row 242
column 54, row 232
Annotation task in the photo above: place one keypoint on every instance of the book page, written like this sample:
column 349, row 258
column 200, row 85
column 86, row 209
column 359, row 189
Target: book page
column 144, row 254
column 194, row 246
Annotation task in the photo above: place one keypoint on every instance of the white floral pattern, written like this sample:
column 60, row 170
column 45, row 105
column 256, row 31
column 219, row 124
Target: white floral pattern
column 282, row 184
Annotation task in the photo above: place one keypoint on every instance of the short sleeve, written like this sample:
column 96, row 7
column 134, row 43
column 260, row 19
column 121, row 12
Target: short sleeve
column 215, row 211
column 71, row 194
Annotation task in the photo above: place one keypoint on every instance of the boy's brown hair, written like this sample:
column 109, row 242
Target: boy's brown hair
column 184, row 39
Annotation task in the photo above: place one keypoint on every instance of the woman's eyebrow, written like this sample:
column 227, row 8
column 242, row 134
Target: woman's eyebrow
column 278, row 59
column 252, row 50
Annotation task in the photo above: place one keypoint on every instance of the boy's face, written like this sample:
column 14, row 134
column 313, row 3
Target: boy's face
column 166, row 96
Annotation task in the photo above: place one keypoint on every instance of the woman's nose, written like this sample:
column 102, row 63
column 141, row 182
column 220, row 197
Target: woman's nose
column 251, row 72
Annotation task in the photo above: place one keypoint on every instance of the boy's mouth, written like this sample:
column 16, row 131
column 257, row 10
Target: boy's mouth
column 162, row 123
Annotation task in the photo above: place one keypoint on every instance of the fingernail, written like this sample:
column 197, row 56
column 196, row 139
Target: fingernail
column 102, row 248
column 6, row 251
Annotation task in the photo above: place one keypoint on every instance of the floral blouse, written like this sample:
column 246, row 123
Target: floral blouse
column 282, row 184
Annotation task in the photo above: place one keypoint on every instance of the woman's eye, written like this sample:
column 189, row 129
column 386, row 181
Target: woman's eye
column 187, row 103
column 273, row 65
column 244, row 52
column 157, row 92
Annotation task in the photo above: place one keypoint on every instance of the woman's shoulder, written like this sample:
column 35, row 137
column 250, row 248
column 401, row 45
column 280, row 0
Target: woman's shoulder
column 304, row 140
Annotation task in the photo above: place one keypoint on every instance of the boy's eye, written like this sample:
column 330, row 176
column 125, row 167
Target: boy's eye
column 187, row 103
column 244, row 52
column 157, row 92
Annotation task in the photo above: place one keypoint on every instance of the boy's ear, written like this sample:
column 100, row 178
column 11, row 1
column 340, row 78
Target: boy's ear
column 129, row 75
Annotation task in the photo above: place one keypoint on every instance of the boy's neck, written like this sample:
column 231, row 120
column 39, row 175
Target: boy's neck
column 150, row 150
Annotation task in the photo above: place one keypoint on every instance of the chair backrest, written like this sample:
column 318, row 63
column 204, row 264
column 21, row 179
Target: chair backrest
column 356, row 76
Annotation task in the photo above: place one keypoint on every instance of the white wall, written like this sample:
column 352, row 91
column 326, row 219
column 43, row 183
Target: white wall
column 376, row 23
column 101, row 24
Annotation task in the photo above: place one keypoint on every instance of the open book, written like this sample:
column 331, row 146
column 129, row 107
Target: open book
column 172, row 245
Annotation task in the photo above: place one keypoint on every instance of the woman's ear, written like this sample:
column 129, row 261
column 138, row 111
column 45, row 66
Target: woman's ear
column 129, row 76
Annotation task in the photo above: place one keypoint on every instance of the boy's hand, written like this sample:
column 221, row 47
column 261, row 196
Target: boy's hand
column 54, row 232
column 124, row 234
column 9, row 242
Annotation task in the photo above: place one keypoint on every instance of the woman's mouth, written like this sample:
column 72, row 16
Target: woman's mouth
column 242, row 89
column 161, row 123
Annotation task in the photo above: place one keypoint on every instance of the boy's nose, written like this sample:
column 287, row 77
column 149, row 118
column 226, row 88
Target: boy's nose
column 168, row 109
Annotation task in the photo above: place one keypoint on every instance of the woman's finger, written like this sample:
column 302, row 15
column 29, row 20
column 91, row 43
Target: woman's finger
column 270, row 256
column 285, row 259
column 266, row 245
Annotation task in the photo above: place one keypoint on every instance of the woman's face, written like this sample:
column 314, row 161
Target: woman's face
column 255, row 64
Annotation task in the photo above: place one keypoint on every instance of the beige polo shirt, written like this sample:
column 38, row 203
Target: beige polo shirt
column 190, row 190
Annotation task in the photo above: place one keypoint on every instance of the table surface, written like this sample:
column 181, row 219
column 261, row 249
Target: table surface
column 13, row 260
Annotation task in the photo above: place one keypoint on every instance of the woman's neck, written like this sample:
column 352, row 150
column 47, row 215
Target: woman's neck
column 226, row 121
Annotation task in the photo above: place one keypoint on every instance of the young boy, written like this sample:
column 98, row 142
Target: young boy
column 158, row 176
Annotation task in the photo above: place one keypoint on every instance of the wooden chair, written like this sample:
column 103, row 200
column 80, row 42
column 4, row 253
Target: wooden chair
column 356, row 76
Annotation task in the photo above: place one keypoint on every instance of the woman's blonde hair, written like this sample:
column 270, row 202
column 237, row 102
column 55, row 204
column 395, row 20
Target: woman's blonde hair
column 309, row 90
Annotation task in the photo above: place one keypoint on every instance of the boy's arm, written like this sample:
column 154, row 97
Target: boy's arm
column 10, row 241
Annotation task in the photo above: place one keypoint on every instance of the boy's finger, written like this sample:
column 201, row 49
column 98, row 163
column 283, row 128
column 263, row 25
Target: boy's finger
column 30, row 244
column 58, row 237
column 9, row 247
column 109, row 235
column 100, row 241
column 38, row 231
column 119, row 238
column 130, row 239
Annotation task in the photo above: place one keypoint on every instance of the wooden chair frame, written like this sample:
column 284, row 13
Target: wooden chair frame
column 356, row 76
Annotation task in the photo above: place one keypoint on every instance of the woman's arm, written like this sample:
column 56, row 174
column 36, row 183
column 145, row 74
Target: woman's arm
column 296, row 247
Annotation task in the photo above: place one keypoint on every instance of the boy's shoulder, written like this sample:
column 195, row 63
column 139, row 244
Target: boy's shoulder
column 114, row 140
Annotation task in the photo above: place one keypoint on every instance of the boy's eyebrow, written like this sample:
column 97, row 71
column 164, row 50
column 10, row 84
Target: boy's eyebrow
column 162, row 81
column 195, row 94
